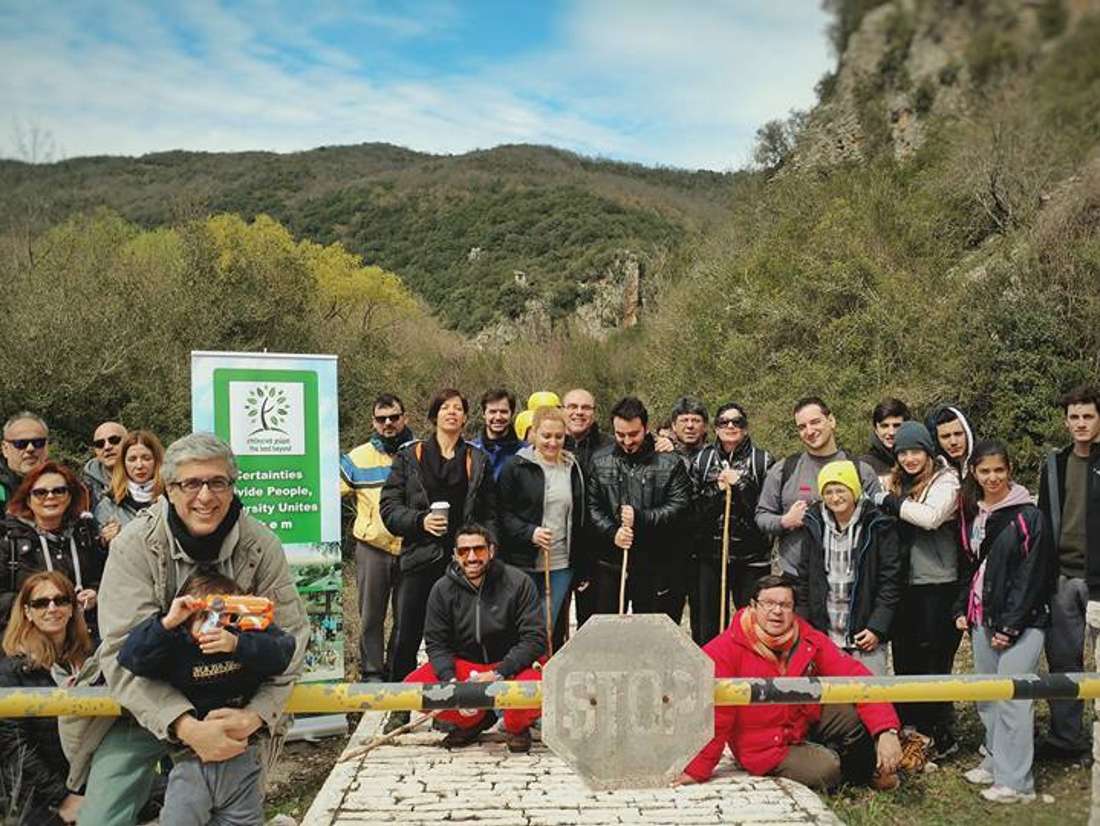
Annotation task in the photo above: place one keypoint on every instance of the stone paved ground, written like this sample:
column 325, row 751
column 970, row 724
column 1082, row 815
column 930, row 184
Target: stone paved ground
column 418, row 783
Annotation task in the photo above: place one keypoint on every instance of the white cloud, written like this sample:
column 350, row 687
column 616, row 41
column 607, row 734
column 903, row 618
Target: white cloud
column 682, row 85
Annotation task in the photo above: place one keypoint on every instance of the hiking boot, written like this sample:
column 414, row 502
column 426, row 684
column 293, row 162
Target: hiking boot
column 458, row 738
column 518, row 742
column 885, row 782
column 394, row 721
column 944, row 744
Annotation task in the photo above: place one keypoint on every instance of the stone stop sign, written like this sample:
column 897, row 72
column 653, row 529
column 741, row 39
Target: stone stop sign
column 628, row 701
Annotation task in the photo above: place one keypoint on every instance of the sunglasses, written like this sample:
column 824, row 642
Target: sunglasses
column 739, row 423
column 45, row 493
column 392, row 417
column 476, row 550
column 21, row 444
column 99, row 444
column 42, row 603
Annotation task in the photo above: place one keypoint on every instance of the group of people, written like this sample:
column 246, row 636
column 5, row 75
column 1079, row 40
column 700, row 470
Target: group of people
column 484, row 547
column 837, row 563
column 118, row 576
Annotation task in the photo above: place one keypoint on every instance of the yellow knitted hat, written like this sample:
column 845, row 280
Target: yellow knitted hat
column 841, row 471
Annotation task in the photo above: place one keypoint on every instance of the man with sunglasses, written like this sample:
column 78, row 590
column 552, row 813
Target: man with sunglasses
column 483, row 623
column 106, row 450
column 363, row 471
column 732, row 462
column 24, row 447
column 200, row 524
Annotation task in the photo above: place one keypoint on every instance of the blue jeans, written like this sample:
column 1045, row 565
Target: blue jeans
column 559, row 588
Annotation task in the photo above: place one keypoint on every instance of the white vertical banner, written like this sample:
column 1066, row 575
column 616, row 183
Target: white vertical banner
column 279, row 413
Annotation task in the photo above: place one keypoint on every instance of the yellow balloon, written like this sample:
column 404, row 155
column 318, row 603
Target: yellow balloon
column 543, row 398
column 523, row 423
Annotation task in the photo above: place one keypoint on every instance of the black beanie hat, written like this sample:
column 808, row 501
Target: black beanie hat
column 913, row 435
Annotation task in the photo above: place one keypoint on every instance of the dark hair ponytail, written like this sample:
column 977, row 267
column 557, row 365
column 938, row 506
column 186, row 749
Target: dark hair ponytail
column 971, row 490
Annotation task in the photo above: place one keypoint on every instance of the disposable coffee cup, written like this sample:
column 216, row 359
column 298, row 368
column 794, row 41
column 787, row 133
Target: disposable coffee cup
column 443, row 508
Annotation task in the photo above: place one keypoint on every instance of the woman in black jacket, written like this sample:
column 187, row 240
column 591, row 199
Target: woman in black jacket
column 441, row 469
column 45, row 633
column 48, row 528
column 1007, row 611
column 542, row 510
column 850, row 575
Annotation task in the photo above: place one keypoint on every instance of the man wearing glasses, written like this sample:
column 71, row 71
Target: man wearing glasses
column 483, row 624
column 363, row 471
column 200, row 524
column 26, row 441
column 817, row 745
column 106, row 444
column 732, row 462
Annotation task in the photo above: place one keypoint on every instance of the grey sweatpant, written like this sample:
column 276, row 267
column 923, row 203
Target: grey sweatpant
column 229, row 793
column 1008, row 723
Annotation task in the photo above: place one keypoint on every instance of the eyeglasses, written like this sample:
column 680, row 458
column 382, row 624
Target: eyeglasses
column 99, row 444
column 42, row 603
column 476, row 550
column 770, row 605
column 41, row 494
column 21, row 444
column 216, row 484
column 392, row 417
column 588, row 408
column 738, row 423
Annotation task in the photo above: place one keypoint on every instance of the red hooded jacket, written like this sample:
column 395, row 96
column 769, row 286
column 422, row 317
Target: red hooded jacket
column 761, row 734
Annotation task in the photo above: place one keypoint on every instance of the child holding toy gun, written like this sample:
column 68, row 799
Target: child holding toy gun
column 216, row 649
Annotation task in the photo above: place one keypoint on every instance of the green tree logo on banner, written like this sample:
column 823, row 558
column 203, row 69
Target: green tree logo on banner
column 267, row 407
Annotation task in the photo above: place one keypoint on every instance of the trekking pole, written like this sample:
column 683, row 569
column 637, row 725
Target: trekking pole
column 382, row 739
column 725, row 558
column 549, row 602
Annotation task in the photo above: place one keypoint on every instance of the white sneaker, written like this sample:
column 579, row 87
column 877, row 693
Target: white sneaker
column 979, row 776
column 1003, row 794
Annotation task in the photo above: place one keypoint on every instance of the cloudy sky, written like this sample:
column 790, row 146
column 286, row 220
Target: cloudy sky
column 673, row 82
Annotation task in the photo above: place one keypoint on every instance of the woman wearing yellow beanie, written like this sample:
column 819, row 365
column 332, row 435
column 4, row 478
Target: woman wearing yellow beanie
column 850, row 574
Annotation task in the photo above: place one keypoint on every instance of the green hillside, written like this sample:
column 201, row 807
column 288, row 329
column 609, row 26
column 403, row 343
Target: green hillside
column 456, row 229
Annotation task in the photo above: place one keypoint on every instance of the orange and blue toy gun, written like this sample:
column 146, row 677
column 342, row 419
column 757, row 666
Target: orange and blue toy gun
column 243, row 612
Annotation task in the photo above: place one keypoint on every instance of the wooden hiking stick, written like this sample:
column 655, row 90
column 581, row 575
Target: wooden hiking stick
column 622, row 582
column 549, row 603
column 626, row 562
column 725, row 559
column 382, row 739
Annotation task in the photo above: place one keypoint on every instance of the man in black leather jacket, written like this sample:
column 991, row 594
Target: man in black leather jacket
column 637, row 499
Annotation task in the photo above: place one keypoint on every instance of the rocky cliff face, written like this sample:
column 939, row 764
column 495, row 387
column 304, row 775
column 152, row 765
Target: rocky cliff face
column 911, row 60
column 615, row 303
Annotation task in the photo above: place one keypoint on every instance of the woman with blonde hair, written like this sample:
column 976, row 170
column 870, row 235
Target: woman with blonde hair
column 542, row 510
column 46, row 640
column 135, row 483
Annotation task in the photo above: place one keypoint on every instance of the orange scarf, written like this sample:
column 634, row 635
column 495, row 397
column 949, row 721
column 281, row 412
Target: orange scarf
column 777, row 649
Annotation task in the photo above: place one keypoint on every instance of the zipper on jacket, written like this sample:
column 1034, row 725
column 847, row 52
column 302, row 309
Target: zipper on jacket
column 477, row 622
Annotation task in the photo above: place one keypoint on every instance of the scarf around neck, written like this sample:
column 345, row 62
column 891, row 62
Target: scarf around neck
column 390, row 444
column 203, row 548
column 774, row 649
column 142, row 493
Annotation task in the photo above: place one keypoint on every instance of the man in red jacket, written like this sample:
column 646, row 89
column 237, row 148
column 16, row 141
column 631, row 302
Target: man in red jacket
column 818, row 745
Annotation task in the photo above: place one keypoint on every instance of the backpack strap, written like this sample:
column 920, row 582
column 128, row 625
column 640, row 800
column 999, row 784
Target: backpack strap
column 785, row 472
column 1054, row 492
